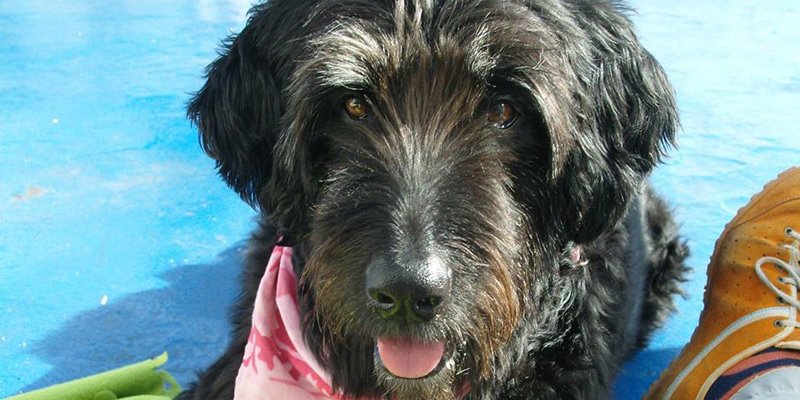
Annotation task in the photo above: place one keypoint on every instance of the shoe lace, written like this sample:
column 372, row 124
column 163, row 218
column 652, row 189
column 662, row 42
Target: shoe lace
column 792, row 268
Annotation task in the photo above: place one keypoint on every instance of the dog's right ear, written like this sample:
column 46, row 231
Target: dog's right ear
column 238, row 112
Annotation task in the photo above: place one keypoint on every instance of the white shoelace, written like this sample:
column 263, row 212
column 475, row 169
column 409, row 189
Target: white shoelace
column 792, row 268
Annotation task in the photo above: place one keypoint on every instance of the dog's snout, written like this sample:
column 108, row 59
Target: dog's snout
column 413, row 291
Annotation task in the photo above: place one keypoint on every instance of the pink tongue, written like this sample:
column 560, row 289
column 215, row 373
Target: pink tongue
column 409, row 358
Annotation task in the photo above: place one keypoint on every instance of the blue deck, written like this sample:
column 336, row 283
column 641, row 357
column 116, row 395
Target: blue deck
column 117, row 240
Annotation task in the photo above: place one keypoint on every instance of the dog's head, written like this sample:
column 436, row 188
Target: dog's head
column 433, row 158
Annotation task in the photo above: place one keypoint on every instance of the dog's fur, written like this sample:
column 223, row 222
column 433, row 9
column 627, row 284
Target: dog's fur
column 425, row 173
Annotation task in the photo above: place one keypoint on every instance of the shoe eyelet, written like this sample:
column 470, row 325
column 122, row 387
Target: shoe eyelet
column 788, row 230
column 781, row 300
column 778, row 323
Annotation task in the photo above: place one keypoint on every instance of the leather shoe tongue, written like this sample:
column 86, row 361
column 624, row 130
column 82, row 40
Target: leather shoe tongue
column 408, row 358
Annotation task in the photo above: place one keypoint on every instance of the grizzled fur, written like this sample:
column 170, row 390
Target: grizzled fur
column 424, row 173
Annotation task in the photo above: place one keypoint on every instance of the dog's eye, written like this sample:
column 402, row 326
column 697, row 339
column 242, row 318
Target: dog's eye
column 355, row 106
column 502, row 115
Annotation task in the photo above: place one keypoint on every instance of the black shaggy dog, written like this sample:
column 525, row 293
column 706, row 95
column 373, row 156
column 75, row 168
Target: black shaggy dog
column 465, row 173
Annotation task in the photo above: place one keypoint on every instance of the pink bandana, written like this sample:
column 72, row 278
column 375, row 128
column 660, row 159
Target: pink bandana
column 277, row 364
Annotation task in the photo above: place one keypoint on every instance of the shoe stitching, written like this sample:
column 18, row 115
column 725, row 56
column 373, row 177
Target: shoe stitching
column 768, row 188
column 762, row 212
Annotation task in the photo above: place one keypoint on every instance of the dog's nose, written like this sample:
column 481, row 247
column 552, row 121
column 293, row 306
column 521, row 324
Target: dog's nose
column 414, row 291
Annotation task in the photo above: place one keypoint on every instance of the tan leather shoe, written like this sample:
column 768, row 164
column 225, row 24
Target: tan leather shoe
column 751, row 301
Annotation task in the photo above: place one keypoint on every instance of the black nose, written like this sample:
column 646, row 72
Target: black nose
column 415, row 291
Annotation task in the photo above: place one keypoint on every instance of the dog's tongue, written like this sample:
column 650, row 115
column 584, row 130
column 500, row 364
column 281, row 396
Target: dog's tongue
column 409, row 358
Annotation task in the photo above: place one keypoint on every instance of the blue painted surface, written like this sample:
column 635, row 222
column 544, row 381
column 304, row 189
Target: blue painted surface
column 117, row 241
column 104, row 193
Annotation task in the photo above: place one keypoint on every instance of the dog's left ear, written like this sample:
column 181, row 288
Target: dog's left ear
column 240, row 114
column 628, row 119
column 237, row 112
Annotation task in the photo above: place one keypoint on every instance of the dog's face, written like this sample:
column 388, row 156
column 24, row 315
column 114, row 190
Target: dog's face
column 433, row 160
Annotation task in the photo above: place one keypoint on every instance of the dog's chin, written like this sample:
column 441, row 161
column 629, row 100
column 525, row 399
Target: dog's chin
column 436, row 384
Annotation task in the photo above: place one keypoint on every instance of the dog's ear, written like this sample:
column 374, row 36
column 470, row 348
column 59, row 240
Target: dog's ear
column 238, row 113
column 628, row 119
column 240, row 110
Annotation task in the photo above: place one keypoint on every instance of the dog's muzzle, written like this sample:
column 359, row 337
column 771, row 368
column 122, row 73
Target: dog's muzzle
column 408, row 293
